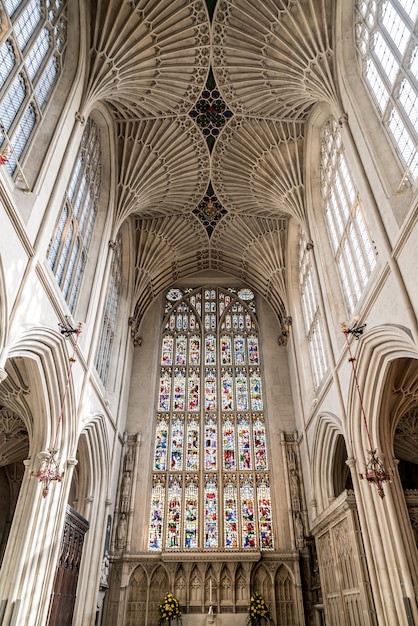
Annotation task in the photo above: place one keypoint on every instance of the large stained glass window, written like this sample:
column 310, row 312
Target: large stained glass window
column 210, row 485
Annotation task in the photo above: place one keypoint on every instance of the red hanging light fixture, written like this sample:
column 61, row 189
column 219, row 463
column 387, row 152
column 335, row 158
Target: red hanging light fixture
column 49, row 470
column 376, row 473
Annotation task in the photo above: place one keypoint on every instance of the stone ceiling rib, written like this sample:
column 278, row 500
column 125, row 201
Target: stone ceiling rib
column 257, row 168
column 164, row 167
column 150, row 57
column 273, row 61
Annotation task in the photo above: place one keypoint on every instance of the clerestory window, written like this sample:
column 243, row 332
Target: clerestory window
column 211, row 485
column 387, row 45
column 31, row 61
column 110, row 311
column 350, row 240
column 312, row 317
column 70, row 244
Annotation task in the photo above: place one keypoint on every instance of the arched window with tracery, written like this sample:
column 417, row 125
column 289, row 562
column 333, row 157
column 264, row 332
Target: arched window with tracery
column 68, row 251
column 211, row 484
column 33, row 34
column 312, row 317
column 350, row 239
column 110, row 311
column 387, row 45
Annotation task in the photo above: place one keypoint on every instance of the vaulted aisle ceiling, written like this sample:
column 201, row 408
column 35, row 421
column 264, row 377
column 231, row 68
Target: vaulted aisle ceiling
column 210, row 101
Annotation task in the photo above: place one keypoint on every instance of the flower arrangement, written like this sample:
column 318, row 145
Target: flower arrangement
column 257, row 609
column 169, row 609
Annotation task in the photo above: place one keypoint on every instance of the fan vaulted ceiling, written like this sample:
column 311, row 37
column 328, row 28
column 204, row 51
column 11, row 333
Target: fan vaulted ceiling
column 210, row 101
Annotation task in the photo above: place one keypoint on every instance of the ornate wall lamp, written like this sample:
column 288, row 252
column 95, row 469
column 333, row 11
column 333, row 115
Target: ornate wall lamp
column 49, row 470
column 376, row 473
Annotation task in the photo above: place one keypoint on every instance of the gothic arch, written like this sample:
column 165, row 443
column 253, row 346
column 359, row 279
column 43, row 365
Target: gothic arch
column 88, row 495
column 327, row 440
column 41, row 356
column 284, row 585
column 381, row 355
column 137, row 598
column 262, row 582
column 375, row 353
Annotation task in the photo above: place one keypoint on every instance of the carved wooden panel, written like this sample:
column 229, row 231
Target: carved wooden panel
column 66, row 577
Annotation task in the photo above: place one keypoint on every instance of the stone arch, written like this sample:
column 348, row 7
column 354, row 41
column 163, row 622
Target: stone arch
column 262, row 582
column 284, row 586
column 241, row 586
column 136, row 608
column 385, row 356
column 326, row 454
column 158, row 587
column 226, row 586
column 36, row 388
column 196, row 587
column 88, row 495
column 180, row 585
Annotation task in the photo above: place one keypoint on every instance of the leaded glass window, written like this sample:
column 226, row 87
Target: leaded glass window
column 314, row 327
column 211, row 484
column 31, row 61
column 107, row 332
column 350, row 240
column 387, row 44
column 69, row 247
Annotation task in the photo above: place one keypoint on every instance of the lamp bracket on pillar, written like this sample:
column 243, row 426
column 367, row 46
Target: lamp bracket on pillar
column 376, row 473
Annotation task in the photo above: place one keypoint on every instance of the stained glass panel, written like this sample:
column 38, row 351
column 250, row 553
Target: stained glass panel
column 156, row 514
column 226, row 352
column 167, row 351
column 230, row 516
column 256, row 397
column 177, row 433
column 193, row 445
column 194, row 350
column 181, row 343
column 227, row 391
column 228, row 435
column 165, row 391
column 179, row 391
column 211, row 512
column 210, row 391
column 161, row 439
column 174, row 512
column 244, row 445
column 211, row 439
column 259, row 437
column 191, row 515
column 265, row 528
column 247, row 513
column 241, row 389
column 252, row 344
column 239, row 345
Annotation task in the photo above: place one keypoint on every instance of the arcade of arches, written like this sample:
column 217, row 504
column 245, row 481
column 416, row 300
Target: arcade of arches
column 208, row 311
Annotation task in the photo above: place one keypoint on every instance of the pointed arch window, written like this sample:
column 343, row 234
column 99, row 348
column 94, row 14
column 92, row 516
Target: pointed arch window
column 110, row 311
column 31, row 61
column 350, row 239
column 68, row 251
column 211, row 484
column 312, row 317
column 387, row 45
